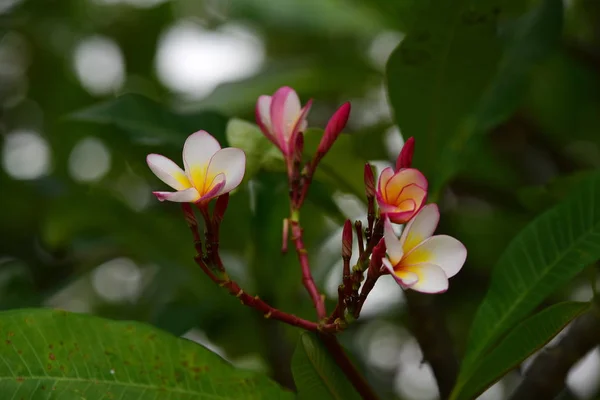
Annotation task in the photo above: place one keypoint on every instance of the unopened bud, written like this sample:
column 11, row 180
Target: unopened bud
column 347, row 240
column 376, row 256
column 405, row 157
column 298, row 148
column 221, row 207
column 369, row 181
column 334, row 127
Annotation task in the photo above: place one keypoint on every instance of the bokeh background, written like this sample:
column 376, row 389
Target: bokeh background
column 80, row 230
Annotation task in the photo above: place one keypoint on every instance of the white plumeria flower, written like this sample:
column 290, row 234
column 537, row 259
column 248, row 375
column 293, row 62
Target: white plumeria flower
column 420, row 261
column 281, row 117
column 209, row 170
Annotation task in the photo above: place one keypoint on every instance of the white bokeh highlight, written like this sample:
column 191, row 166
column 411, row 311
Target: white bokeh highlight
column 193, row 61
column 89, row 160
column 25, row 155
column 99, row 65
column 118, row 280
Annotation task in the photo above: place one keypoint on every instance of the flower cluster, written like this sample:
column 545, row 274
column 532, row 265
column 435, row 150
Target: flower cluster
column 418, row 260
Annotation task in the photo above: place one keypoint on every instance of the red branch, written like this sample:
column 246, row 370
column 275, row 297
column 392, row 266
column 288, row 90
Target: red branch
column 307, row 278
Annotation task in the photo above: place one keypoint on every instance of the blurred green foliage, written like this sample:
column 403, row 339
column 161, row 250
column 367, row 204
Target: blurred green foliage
column 502, row 97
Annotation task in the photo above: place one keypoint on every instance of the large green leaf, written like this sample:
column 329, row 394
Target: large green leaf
column 454, row 76
column 316, row 374
column 529, row 40
column 550, row 251
column 521, row 342
column 47, row 353
column 439, row 72
column 148, row 121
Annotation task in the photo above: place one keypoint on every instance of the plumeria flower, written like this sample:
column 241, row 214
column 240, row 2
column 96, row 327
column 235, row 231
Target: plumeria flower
column 210, row 171
column 401, row 194
column 281, row 117
column 420, row 261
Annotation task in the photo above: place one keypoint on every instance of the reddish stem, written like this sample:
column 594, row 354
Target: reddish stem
column 307, row 278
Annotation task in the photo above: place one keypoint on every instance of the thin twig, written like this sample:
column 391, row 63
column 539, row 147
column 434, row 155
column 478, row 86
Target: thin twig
column 342, row 360
column 307, row 279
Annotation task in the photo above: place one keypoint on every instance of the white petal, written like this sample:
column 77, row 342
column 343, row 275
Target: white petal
column 404, row 278
column 442, row 250
column 183, row 196
column 392, row 244
column 168, row 172
column 263, row 115
column 232, row 163
column 432, row 278
column 198, row 149
column 421, row 227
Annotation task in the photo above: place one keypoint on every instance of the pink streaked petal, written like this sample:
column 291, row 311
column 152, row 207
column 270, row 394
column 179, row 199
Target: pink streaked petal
column 300, row 124
column 285, row 109
column 400, row 180
column 384, row 178
column 400, row 217
column 431, row 278
column 183, row 196
column 393, row 246
column 420, row 227
column 263, row 114
column 168, row 172
column 232, row 163
column 198, row 149
column 413, row 192
column 442, row 250
column 215, row 188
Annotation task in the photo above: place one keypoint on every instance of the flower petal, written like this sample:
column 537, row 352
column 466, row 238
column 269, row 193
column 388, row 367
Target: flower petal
column 404, row 278
column 198, row 149
column 393, row 246
column 300, row 124
column 400, row 180
column 412, row 192
column 214, row 188
column 232, row 163
column 421, row 227
column 263, row 113
column 285, row 110
column 431, row 278
column 168, row 172
column 384, row 178
column 442, row 250
column 183, row 196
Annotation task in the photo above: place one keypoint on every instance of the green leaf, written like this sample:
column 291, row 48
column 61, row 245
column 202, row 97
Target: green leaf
column 546, row 254
column 454, row 78
column 260, row 152
column 530, row 40
column 316, row 374
column 520, row 343
column 48, row 353
column 148, row 121
column 438, row 74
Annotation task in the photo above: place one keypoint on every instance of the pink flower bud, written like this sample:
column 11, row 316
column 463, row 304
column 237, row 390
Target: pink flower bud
column 404, row 159
column 347, row 240
column 298, row 147
column 334, row 127
column 220, row 208
column 369, row 181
